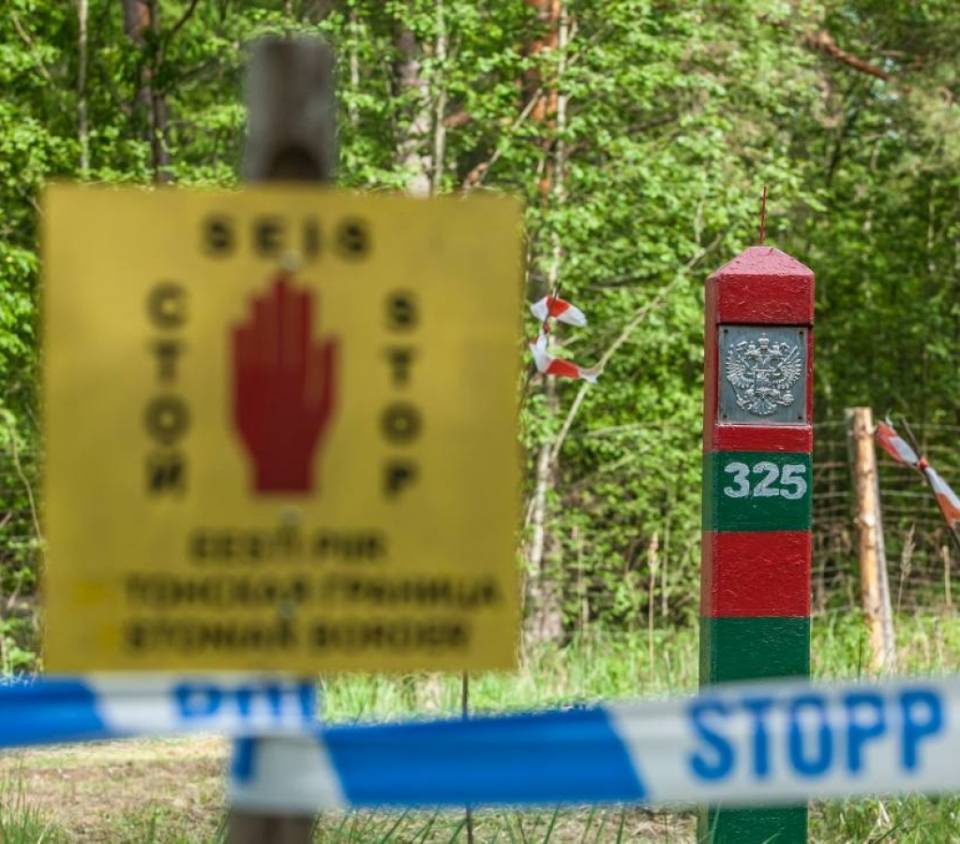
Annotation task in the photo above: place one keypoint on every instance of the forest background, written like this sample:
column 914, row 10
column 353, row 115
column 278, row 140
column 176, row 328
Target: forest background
column 639, row 133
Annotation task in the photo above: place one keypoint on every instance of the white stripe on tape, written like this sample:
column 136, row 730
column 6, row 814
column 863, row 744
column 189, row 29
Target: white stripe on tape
column 57, row 709
column 280, row 772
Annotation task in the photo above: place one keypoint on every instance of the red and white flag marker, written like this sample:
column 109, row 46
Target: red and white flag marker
column 901, row 451
column 560, row 310
column 547, row 308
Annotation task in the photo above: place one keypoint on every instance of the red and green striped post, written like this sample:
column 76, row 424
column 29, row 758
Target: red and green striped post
column 757, row 443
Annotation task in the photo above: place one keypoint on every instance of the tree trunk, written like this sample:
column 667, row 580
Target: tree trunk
column 549, row 15
column 440, row 105
column 139, row 17
column 136, row 19
column 544, row 589
column 83, row 130
column 653, row 562
column 544, row 617
column 354, row 63
column 411, row 86
column 665, row 562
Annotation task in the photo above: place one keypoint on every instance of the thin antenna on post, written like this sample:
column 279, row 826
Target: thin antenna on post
column 763, row 215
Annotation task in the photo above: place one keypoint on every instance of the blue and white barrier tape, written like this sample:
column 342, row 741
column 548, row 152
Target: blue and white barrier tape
column 62, row 709
column 763, row 743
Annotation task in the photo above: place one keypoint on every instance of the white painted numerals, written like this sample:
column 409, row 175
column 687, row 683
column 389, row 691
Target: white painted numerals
column 792, row 480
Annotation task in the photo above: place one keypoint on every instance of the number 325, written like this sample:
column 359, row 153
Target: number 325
column 792, row 486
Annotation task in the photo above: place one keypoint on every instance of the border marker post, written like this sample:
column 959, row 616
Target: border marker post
column 757, row 489
column 291, row 136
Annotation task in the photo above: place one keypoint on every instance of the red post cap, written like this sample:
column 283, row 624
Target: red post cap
column 762, row 285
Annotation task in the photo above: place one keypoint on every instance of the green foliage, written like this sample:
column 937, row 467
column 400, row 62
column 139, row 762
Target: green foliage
column 670, row 117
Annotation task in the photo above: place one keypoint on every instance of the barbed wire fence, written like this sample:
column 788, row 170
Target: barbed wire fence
column 921, row 559
column 923, row 564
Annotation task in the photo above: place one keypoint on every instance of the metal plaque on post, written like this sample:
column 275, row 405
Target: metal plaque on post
column 763, row 375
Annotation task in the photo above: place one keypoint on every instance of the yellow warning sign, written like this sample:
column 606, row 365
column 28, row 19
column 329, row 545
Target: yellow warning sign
column 280, row 430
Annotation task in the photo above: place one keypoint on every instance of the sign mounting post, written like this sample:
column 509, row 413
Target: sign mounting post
column 291, row 136
column 757, row 489
column 280, row 426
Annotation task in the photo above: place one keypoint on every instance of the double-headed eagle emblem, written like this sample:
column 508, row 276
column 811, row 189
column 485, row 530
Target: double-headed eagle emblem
column 762, row 374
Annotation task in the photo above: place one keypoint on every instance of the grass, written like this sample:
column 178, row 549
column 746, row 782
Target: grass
column 22, row 823
column 589, row 669
column 550, row 825
column 171, row 791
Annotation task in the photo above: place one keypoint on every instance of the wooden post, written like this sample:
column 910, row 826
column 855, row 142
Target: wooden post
column 947, row 597
column 291, row 136
column 291, row 125
column 874, row 585
column 757, row 442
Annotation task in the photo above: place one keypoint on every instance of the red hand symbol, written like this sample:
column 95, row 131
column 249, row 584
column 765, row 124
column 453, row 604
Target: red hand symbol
column 284, row 388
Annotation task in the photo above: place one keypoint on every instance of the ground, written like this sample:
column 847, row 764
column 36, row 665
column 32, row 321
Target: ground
column 168, row 790
column 171, row 790
column 103, row 791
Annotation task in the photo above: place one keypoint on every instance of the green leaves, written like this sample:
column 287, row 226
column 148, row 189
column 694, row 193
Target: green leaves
column 676, row 115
